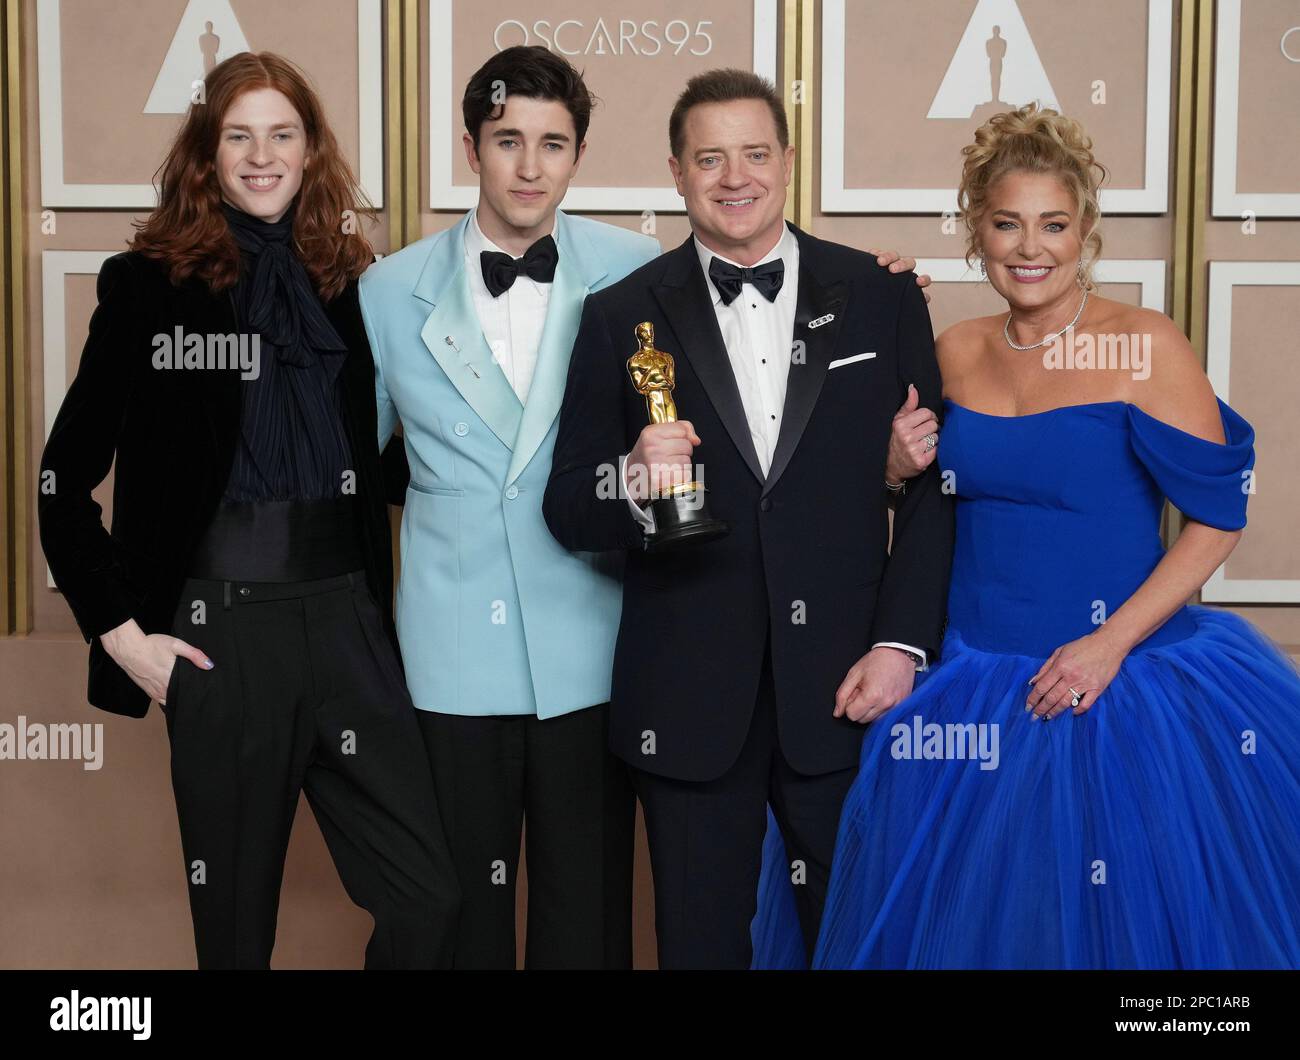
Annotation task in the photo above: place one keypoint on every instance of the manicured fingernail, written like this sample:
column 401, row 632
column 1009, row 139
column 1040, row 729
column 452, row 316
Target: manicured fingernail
column 207, row 664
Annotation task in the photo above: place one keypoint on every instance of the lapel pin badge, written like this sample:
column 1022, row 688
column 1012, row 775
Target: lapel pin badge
column 820, row 321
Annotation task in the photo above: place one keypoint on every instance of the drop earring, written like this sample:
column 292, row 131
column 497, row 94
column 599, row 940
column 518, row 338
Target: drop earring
column 984, row 272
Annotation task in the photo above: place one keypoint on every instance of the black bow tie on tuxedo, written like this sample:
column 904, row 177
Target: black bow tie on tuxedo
column 727, row 278
column 501, row 270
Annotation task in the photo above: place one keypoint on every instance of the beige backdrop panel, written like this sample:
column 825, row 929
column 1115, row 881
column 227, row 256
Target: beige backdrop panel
column 1268, row 120
column 1264, row 384
column 887, row 101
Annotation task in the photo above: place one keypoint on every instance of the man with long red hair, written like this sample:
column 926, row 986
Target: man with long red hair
column 246, row 582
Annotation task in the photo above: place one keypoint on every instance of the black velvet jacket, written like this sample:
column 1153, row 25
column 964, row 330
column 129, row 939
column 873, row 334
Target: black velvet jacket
column 173, row 433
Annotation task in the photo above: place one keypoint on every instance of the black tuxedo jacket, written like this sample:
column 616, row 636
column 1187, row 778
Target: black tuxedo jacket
column 173, row 433
column 808, row 559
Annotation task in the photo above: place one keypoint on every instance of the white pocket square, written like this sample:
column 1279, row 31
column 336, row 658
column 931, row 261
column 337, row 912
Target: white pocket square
column 849, row 360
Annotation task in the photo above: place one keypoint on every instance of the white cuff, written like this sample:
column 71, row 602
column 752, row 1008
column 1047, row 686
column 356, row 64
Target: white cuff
column 642, row 515
column 906, row 647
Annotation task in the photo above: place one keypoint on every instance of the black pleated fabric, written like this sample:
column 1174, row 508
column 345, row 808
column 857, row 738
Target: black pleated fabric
column 293, row 445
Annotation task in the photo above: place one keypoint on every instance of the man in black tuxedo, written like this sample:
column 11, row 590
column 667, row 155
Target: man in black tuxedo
column 747, row 666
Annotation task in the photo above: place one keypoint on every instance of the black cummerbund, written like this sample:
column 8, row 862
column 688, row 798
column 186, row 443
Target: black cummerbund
column 279, row 541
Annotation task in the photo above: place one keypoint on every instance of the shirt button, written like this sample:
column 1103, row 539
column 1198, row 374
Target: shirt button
column 462, row 429
column 245, row 591
column 512, row 493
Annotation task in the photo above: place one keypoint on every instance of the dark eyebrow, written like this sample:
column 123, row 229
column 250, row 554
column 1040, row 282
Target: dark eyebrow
column 1045, row 213
column 281, row 125
column 719, row 150
column 518, row 134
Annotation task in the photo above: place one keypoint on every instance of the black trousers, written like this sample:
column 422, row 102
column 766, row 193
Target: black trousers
column 706, row 844
column 305, row 694
column 493, row 774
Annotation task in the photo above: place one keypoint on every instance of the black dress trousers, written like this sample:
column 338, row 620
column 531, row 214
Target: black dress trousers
column 556, row 780
column 706, row 844
column 305, row 694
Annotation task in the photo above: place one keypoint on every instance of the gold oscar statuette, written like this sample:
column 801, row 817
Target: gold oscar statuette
column 680, row 512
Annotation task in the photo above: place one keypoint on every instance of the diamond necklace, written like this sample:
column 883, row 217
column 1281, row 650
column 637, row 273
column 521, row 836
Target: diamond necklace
column 1006, row 329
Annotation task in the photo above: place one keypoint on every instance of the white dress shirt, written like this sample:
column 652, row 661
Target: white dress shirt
column 512, row 322
column 759, row 337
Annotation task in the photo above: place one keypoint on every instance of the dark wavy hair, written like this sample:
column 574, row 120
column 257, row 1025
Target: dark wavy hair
column 530, row 71
column 187, row 230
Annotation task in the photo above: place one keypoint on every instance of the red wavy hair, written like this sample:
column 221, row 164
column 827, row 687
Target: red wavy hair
column 187, row 230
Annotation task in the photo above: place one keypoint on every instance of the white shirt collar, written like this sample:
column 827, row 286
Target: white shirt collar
column 785, row 248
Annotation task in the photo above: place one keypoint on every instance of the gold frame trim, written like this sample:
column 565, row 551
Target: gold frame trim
column 15, row 397
column 393, row 121
column 797, row 71
column 1198, row 271
column 1183, row 147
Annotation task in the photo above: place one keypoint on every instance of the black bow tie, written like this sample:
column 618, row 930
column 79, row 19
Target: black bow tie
column 501, row 270
column 727, row 278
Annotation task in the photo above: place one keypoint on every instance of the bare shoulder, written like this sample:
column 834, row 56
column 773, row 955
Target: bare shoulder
column 962, row 346
column 1170, row 385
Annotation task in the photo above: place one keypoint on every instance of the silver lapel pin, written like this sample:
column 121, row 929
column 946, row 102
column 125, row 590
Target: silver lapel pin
column 820, row 321
column 452, row 343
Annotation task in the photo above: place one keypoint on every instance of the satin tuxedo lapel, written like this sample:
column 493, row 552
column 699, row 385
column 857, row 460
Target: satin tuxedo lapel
column 578, row 270
column 683, row 294
column 466, row 358
column 818, row 298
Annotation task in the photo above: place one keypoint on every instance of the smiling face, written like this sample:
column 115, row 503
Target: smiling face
column 261, row 154
column 733, row 174
column 524, row 161
column 1031, row 240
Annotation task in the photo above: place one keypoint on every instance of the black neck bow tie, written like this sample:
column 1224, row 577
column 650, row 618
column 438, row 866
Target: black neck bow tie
column 501, row 270
column 727, row 278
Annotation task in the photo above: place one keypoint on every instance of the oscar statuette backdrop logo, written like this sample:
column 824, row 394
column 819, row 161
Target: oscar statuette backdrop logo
column 207, row 33
column 995, row 67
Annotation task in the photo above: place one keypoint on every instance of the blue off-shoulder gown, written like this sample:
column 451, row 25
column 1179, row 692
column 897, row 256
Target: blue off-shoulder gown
column 1161, row 829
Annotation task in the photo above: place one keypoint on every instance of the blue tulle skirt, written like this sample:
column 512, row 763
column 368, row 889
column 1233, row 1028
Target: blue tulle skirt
column 1159, row 830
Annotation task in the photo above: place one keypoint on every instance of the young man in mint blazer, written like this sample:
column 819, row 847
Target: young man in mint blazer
column 507, row 638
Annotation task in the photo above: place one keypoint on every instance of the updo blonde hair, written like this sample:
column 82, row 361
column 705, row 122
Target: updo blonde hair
column 1033, row 140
